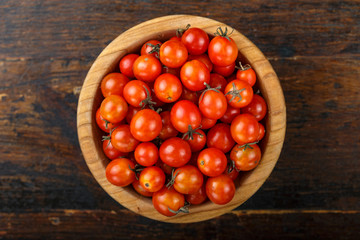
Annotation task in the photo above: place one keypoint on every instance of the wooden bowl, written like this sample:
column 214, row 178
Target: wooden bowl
column 163, row 28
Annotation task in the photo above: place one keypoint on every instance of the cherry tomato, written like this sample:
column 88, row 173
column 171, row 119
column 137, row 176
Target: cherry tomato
column 246, row 157
column 246, row 74
column 190, row 95
column 175, row 152
column 151, row 46
column 238, row 93
column 147, row 68
column 198, row 142
column 244, row 128
column 256, row 107
column 131, row 113
column 194, row 74
column 136, row 93
column 184, row 114
column 152, row 179
column 212, row 162
column 146, row 125
column 110, row 151
column 168, row 129
column 220, row 137
column 218, row 81
column 166, row 168
column 261, row 132
column 212, row 103
column 103, row 124
column 231, row 173
column 207, row 123
column 204, row 58
column 230, row 114
column 168, row 201
column 225, row 71
column 126, row 65
column 113, row 84
column 173, row 53
column 155, row 100
column 195, row 40
column 168, row 88
column 118, row 172
column 138, row 188
column 123, row 140
column 222, row 49
column 198, row 197
column 220, row 190
column 114, row 108
column 173, row 71
column 187, row 179
column 146, row 154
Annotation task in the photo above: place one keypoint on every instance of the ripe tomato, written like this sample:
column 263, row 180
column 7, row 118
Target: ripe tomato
column 113, row 84
column 126, row 65
column 222, row 49
column 151, row 47
column 146, row 154
column 261, row 132
column 246, row 74
column 256, row 107
column 220, row 189
column 110, row 151
column 123, row 140
column 212, row 103
column 230, row 114
column 184, row 115
column 168, row 202
column 218, row 81
column 190, row 95
column 118, row 172
column 147, row 68
column 207, row 123
column 155, row 101
column 195, row 40
column 194, row 74
column 103, row 124
column 219, row 137
column 198, row 142
column 152, row 179
column 131, row 113
column 173, row 53
column 173, row 71
column 246, row 157
column 167, row 130
column 114, row 108
column 212, row 162
column 137, row 93
column 175, row 152
column 168, row 88
column 238, row 93
column 198, row 197
column 187, row 179
column 138, row 188
column 244, row 128
column 166, row 168
column 225, row 71
column 204, row 58
column 231, row 173
column 146, row 125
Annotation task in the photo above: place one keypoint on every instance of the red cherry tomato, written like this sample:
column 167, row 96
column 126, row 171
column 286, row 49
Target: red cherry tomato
column 238, row 93
column 194, row 74
column 198, row 142
column 184, row 114
column 204, row 58
column 187, row 179
column 118, row 172
column 195, row 40
column 168, row 88
column 126, row 65
column 168, row 129
column 212, row 162
column 173, row 53
column 110, row 151
column 256, row 107
column 198, row 197
column 155, row 100
column 222, row 49
column 138, row 188
column 152, row 179
column 147, row 68
column 136, row 92
column 261, row 132
column 113, row 84
column 218, row 81
column 230, row 114
column 123, row 140
column 220, row 190
column 103, row 124
column 246, row 74
column 146, row 154
column 220, row 137
column 207, row 123
column 175, row 152
column 168, row 202
column 212, row 104
column 114, row 108
column 190, row 95
column 231, row 173
column 225, row 71
column 166, row 168
column 146, row 125
column 246, row 157
column 152, row 46
column 244, row 128
column 131, row 113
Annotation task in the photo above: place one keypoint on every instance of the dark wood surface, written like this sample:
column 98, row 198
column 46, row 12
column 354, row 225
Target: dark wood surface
column 46, row 189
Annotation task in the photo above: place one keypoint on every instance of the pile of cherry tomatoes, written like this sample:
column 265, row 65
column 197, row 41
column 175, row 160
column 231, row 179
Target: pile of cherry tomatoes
column 182, row 120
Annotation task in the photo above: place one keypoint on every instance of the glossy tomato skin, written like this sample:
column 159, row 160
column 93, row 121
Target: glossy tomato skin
column 135, row 92
column 190, row 95
column 233, row 174
column 146, row 125
column 147, row 68
column 126, row 65
column 173, row 54
column 212, row 162
column 194, row 74
column 146, row 48
column 123, row 140
column 166, row 168
column 256, row 107
column 261, row 132
column 195, row 40
column 168, row 198
column 152, row 179
column 131, row 113
column 167, row 130
column 220, row 190
column 246, row 93
column 138, row 188
column 183, row 114
column 247, row 75
column 188, row 179
column 175, row 152
column 207, row 123
column 118, row 172
column 113, row 84
column 220, row 137
column 212, row 104
column 204, row 58
column 244, row 129
column 246, row 158
column 230, row 114
column 168, row 88
column 173, row 71
column 225, row 71
column 218, row 81
column 197, row 197
column 154, row 98
column 101, row 122
column 114, row 108
column 110, row 151
column 146, row 154
column 222, row 52
column 198, row 142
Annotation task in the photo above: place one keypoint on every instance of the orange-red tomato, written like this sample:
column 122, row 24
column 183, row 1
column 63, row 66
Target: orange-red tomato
column 126, row 65
column 194, row 74
column 152, row 179
column 114, row 108
column 212, row 162
column 256, row 107
column 207, row 123
column 204, row 58
column 246, row 74
column 188, row 179
column 225, row 71
column 103, row 124
column 146, row 125
column 136, row 92
column 222, row 50
column 238, row 93
column 244, row 128
column 212, row 104
column 246, row 157
column 195, row 40
column 113, row 84
column 151, row 45
column 168, row 88
column 138, row 188
column 167, row 130
column 118, row 172
column 230, row 114
column 146, row 154
column 218, row 81
column 173, row 53
column 184, row 114
column 220, row 190
column 198, row 142
column 167, row 201
column 261, row 132
column 123, row 140
column 220, row 137
column 147, row 68
column 198, row 197
column 110, row 151
column 175, row 152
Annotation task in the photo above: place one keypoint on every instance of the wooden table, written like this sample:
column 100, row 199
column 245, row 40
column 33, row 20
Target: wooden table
column 46, row 189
